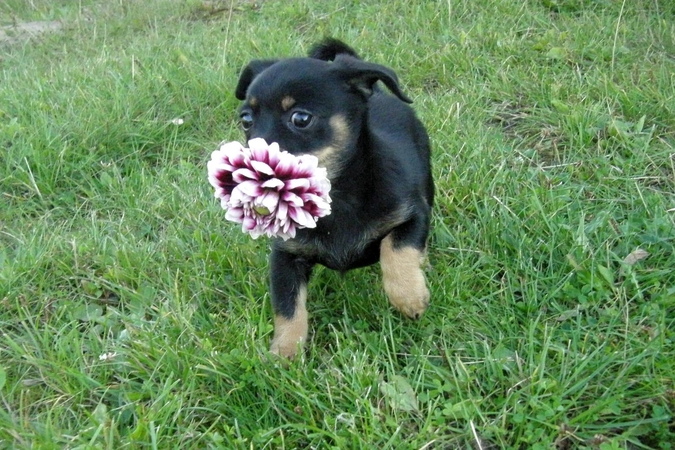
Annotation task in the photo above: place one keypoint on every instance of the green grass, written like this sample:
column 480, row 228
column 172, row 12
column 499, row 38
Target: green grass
column 133, row 316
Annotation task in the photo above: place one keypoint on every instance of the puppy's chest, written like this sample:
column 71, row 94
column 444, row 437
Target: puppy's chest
column 345, row 241
column 334, row 247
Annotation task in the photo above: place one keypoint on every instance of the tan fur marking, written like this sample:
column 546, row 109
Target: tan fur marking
column 338, row 124
column 287, row 103
column 330, row 155
column 403, row 279
column 253, row 102
column 289, row 334
column 327, row 159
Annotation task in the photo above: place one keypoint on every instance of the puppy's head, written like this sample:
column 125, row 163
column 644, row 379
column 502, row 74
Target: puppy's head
column 310, row 106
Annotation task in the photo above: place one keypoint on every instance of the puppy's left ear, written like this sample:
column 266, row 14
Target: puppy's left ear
column 249, row 73
column 363, row 75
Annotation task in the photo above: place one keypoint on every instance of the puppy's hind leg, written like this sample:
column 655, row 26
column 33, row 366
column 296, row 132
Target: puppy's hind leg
column 402, row 254
column 288, row 282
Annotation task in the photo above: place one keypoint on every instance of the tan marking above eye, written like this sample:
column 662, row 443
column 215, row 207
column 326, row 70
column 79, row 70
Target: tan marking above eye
column 287, row 103
column 253, row 101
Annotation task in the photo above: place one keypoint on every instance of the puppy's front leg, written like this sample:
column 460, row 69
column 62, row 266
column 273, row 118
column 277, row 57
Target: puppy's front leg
column 401, row 257
column 288, row 279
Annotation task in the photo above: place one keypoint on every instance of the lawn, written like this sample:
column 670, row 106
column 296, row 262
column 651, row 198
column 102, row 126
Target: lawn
column 132, row 315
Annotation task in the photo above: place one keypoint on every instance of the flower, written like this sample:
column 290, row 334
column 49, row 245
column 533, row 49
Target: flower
column 107, row 356
column 269, row 191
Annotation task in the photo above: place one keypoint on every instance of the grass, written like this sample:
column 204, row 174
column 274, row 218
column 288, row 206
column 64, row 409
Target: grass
column 133, row 316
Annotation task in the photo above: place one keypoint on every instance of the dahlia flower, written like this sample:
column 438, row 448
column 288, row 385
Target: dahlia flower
column 269, row 191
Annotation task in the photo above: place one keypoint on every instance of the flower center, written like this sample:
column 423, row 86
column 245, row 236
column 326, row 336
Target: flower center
column 263, row 211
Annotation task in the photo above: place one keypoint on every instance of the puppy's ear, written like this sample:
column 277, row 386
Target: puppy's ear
column 329, row 48
column 249, row 73
column 363, row 75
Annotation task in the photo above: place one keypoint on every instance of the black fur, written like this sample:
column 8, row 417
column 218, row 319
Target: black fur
column 378, row 166
column 329, row 48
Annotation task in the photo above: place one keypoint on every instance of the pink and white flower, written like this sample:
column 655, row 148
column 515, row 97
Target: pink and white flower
column 269, row 191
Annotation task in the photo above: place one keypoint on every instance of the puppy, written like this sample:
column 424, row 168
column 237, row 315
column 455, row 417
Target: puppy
column 376, row 153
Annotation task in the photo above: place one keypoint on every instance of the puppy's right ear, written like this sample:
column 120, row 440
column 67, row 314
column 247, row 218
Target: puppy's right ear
column 363, row 75
column 249, row 73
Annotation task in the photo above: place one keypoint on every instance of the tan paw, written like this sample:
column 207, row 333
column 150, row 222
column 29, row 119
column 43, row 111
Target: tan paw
column 409, row 295
column 291, row 334
column 403, row 279
column 287, row 344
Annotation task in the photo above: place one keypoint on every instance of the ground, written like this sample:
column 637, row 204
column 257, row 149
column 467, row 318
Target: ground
column 133, row 316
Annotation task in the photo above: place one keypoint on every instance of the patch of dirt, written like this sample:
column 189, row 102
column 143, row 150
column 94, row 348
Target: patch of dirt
column 211, row 10
column 19, row 32
column 528, row 128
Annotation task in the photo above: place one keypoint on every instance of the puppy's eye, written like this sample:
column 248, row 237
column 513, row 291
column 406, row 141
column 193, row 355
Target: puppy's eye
column 246, row 119
column 301, row 119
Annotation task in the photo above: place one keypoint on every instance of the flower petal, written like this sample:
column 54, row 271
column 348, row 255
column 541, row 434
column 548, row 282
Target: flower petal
column 292, row 199
column 269, row 200
column 316, row 206
column 259, row 149
column 262, row 167
column 272, row 183
column 257, row 144
column 306, row 166
column 285, row 166
column 243, row 174
column 232, row 147
column 302, row 217
column 239, row 200
column 282, row 212
column 250, row 188
column 235, row 215
column 248, row 223
column 225, row 203
column 274, row 154
column 295, row 183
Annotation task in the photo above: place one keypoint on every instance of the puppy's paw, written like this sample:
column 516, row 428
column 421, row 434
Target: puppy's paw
column 289, row 335
column 403, row 279
column 285, row 347
column 408, row 294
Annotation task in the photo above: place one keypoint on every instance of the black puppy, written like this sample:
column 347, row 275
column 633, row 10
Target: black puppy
column 376, row 153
